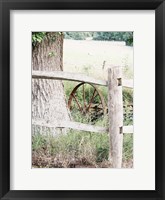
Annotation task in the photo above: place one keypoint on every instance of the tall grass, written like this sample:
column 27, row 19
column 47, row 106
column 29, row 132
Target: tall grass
column 79, row 148
column 77, row 115
column 76, row 149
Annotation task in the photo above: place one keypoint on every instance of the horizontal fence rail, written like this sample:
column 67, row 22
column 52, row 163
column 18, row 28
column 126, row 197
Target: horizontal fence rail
column 60, row 75
column 114, row 83
column 127, row 83
column 79, row 126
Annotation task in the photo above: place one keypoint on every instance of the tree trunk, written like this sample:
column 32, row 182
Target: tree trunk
column 48, row 98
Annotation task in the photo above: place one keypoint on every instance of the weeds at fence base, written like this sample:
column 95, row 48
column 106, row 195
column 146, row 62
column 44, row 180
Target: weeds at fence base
column 76, row 150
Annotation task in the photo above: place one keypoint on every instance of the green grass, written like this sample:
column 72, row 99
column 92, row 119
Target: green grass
column 77, row 115
column 128, row 147
column 77, row 147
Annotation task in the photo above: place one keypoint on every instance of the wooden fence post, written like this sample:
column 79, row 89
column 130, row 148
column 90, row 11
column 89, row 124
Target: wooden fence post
column 115, row 108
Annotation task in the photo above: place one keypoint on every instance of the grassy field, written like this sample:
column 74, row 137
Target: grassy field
column 81, row 149
column 77, row 150
column 94, row 57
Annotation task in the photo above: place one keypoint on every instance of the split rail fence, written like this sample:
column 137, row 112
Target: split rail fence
column 115, row 108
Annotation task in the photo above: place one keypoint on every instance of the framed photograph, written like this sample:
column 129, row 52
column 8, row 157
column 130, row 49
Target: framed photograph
column 82, row 99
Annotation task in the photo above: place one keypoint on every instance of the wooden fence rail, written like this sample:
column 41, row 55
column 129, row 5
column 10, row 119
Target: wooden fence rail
column 60, row 75
column 115, row 108
column 79, row 126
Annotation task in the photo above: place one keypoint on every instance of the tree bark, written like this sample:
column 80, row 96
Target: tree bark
column 48, row 97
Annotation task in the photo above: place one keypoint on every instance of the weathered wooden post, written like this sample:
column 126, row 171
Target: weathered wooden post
column 115, row 107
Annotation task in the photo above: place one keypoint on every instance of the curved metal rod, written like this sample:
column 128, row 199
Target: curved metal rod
column 96, row 90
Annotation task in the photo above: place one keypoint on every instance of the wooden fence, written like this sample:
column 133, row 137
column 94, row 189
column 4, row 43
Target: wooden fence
column 115, row 108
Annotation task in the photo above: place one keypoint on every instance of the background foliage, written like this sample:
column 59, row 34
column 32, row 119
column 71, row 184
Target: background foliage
column 37, row 37
column 108, row 36
column 82, row 149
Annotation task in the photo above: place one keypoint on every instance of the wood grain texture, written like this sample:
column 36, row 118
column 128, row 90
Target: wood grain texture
column 115, row 107
column 48, row 96
column 127, row 83
column 78, row 126
column 60, row 75
column 71, row 125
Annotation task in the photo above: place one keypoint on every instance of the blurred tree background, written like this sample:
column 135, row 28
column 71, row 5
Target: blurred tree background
column 108, row 36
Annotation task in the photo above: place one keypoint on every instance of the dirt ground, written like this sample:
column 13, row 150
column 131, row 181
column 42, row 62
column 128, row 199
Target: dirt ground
column 40, row 161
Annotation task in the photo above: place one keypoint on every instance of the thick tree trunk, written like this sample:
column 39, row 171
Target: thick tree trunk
column 48, row 98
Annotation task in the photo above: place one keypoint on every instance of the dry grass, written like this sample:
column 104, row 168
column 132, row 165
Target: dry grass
column 90, row 56
column 77, row 150
column 80, row 149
